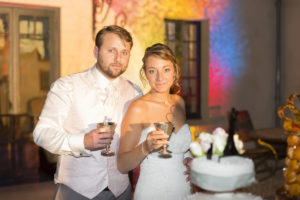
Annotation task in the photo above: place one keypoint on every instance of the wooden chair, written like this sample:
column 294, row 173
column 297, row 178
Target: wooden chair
column 261, row 145
column 47, row 160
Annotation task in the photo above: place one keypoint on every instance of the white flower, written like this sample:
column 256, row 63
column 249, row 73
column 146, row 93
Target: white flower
column 196, row 149
column 218, row 139
column 205, row 141
column 205, row 145
column 239, row 145
column 221, row 132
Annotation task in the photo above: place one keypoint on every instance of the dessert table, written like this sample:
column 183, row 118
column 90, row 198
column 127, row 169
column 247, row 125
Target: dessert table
column 272, row 135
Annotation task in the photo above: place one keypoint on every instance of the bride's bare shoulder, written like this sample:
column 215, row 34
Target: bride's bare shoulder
column 138, row 105
column 178, row 100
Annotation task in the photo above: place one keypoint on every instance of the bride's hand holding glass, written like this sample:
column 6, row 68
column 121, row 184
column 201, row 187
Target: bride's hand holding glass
column 167, row 128
column 155, row 140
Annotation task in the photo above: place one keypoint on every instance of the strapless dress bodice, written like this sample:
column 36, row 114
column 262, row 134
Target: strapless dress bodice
column 178, row 142
column 163, row 178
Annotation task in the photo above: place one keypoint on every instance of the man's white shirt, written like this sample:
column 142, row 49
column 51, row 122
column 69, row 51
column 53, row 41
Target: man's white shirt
column 74, row 106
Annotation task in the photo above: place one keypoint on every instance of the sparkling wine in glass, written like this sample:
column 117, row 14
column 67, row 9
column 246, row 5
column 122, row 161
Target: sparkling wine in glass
column 111, row 126
column 167, row 128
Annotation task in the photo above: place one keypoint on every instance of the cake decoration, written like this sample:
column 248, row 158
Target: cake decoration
column 217, row 139
column 220, row 173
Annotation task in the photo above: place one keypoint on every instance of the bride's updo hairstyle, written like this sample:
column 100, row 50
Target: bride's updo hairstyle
column 164, row 52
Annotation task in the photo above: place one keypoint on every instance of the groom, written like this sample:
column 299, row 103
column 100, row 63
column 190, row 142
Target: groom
column 67, row 124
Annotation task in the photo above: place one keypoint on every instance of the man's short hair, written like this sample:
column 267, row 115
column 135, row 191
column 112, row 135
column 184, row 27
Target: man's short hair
column 121, row 32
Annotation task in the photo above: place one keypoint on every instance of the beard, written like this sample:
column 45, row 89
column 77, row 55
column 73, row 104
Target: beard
column 112, row 73
column 108, row 69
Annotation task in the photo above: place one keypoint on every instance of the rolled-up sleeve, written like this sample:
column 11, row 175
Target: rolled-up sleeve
column 49, row 132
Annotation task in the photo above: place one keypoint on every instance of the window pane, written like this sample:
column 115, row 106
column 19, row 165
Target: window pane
column 185, row 50
column 187, row 38
column 172, row 46
column 4, row 64
column 185, row 86
column 39, row 28
column 192, row 32
column 171, row 30
column 192, row 50
column 193, row 86
column 193, row 68
column 185, row 68
column 34, row 59
column 194, row 105
column 185, row 32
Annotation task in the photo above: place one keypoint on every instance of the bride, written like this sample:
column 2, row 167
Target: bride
column 160, row 178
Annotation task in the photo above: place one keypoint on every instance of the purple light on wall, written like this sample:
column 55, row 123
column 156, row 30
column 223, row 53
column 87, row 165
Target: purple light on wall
column 227, row 49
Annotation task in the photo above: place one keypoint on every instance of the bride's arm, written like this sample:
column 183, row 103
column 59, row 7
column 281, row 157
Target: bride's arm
column 131, row 153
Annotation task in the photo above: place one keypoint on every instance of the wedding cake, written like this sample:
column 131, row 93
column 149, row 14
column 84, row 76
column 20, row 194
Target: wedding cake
column 222, row 175
column 223, row 196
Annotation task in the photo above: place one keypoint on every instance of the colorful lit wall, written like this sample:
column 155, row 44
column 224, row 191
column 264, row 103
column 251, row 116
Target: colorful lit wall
column 145, row 19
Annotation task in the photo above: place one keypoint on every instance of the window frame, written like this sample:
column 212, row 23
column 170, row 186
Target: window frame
column 175, row 40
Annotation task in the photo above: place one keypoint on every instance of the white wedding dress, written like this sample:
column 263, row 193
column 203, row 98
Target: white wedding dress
column 163, row 178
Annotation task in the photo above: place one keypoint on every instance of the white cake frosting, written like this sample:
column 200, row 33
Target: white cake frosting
column 223, row 196
column 227, row 174
column 227, row 166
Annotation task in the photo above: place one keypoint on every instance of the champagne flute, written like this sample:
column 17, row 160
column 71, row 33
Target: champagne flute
column 111, row 126
column 167, row 128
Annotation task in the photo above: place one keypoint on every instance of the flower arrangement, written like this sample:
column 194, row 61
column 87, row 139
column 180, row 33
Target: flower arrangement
column 218, row 138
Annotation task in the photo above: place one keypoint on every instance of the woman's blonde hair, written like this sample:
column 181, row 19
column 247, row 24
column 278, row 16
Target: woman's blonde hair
column 164, row 52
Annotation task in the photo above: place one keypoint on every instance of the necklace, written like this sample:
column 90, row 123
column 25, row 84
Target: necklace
column 166, row 102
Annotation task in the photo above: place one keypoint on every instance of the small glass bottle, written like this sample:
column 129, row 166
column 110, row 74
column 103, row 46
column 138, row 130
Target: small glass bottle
column 230, row 149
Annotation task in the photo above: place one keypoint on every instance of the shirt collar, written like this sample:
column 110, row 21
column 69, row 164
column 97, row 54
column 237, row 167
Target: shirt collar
column 103, row 82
